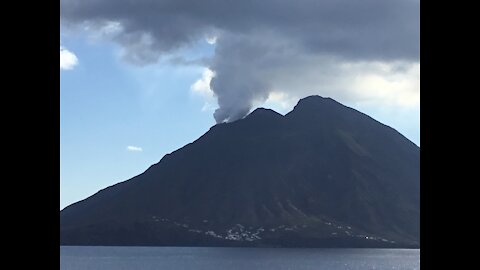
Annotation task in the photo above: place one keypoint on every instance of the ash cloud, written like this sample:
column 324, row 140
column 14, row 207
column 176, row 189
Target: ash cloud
column 262, row 46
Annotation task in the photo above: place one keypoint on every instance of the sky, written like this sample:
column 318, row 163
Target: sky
column 138, row 81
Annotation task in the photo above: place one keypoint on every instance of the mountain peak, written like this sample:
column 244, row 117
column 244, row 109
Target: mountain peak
column 264, row 112
column 314, row 100
column 315, row 106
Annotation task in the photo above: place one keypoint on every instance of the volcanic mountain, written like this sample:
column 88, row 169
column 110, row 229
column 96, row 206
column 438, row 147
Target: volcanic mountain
column 323, row 175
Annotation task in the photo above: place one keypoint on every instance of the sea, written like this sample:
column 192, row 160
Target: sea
column 218, row 258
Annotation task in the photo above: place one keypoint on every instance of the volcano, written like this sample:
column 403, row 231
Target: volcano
column 323, row 175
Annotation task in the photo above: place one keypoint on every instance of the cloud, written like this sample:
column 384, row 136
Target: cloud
column 280, row 102
column 211, row 40
column 361, row 51
column 134, row 148
column 68, row 60
column 202, row 85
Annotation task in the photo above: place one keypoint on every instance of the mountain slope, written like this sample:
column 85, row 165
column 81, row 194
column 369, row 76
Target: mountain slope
column 323, row 175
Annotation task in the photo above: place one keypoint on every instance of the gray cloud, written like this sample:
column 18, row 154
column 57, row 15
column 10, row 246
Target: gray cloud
column 259, row 43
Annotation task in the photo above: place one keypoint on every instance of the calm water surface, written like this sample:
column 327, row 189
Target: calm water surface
column 146, row 258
